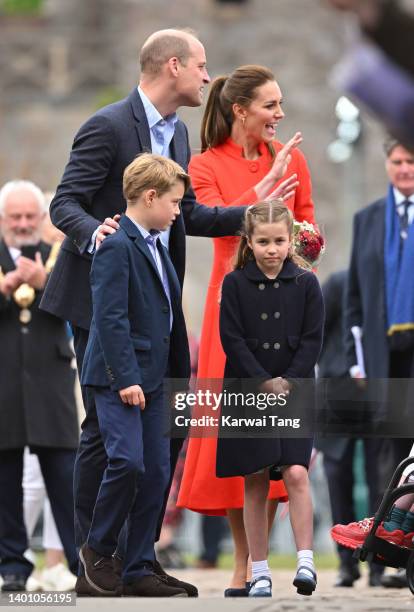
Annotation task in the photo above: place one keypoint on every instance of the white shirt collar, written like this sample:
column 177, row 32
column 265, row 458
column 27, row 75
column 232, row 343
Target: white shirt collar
column 14, row 253
column 400, row 197
column 153, row 114
column 144, row 232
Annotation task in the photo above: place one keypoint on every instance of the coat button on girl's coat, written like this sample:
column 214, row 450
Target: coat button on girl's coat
column 266, row 345
column 264, row 316
column 261, row 286
column 276, row 285
column 276, row 315
column 276, row 346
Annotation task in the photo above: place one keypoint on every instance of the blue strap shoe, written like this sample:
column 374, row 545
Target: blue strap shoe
column 265, row 588
column 234, row 592
column 305, row 584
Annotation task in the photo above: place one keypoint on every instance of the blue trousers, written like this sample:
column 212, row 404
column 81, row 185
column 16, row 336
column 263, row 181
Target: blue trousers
column 57, row 470
column 91, row 461
column 135, row 478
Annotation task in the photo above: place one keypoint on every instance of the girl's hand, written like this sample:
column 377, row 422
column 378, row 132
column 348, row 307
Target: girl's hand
column 278, row 385
column 134, row 396
column 283, row 158
column 285, row 190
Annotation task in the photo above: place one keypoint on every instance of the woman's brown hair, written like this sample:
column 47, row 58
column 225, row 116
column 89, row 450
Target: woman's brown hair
column 274, row 211
column 238, row 88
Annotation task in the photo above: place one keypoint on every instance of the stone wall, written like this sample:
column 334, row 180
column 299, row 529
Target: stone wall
column 55, row 70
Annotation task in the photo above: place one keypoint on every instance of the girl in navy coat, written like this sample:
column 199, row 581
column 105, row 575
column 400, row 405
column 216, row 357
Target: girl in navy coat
column 271, row 321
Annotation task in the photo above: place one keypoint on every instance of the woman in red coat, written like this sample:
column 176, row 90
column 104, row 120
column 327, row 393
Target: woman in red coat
column 241, row 163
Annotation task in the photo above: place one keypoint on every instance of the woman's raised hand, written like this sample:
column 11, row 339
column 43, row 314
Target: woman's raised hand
column 283, row 158
column 285, row 190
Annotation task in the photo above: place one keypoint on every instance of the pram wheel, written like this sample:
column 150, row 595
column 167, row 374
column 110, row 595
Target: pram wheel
column 410, row 572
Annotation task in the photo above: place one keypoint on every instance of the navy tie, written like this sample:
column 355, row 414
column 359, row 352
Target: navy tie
column 404, row 219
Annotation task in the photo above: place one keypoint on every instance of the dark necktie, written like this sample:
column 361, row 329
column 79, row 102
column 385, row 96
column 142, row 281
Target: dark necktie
column 404, row 219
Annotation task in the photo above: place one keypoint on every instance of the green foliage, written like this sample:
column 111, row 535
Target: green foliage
column 21, row 7
column 108, row 95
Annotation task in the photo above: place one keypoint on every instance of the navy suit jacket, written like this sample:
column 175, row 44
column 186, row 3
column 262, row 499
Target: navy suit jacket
column 332, row 363
column 91, row 189
column 365, row 291
column 130, row 341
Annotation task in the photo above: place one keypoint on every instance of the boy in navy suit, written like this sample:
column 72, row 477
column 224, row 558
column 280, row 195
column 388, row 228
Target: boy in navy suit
column 137, row 338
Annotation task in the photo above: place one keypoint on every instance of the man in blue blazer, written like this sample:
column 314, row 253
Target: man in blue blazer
column 173, row 74
column 137, row 339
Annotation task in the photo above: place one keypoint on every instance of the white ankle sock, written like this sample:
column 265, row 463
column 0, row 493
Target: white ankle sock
column 260, row 568
column 305, row 560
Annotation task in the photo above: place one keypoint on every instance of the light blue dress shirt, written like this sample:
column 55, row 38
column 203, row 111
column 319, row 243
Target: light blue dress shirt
column 161, row 132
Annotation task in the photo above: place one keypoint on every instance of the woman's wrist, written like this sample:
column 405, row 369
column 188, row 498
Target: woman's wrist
column 264, row 187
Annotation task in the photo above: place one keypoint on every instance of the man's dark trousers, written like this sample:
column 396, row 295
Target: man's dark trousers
column 91, row 459
column 134, row 480
column 56, row 464
column 340, row 478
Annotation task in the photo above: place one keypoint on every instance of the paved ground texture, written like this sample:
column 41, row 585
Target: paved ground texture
column 211, row 584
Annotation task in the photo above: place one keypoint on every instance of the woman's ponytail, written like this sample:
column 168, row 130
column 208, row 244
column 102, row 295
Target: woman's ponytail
column 215, row 126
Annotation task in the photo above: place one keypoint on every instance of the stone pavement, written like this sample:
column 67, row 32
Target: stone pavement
column 211, row 584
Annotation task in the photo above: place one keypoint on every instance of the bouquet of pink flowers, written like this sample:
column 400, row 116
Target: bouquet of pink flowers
column 308, row 242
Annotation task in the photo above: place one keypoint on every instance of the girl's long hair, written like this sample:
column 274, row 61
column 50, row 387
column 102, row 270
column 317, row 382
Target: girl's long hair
column 273, row 211
column 238, row 88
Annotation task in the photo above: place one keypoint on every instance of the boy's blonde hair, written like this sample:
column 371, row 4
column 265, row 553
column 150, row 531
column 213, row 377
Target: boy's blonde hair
column 149, row 171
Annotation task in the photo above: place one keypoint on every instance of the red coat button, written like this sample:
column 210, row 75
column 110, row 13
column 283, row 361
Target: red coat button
column 253, row 167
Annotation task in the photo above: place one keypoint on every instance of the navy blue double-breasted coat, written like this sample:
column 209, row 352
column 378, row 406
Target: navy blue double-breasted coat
column 268, row 328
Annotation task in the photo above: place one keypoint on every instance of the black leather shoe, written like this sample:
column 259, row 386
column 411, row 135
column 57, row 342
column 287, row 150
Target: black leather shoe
column 151, row 586
column 233, row 592
column 305, row 584
column 375, row 579
column 13, row 583
column 395, row 581
column 190, row 589
column 347, row 576
column 99, row 572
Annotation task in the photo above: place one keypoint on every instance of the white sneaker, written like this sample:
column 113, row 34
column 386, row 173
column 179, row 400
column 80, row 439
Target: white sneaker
column 57, row 578
column 33, row 584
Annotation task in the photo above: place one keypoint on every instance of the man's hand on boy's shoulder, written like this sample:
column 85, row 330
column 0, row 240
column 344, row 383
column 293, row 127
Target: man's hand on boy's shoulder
column 109, row 226
column 134, row 396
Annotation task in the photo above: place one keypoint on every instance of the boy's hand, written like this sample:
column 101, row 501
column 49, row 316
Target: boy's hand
column 134, row 396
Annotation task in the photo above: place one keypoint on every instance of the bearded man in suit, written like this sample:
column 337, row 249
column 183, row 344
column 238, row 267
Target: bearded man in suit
column 37, row 401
